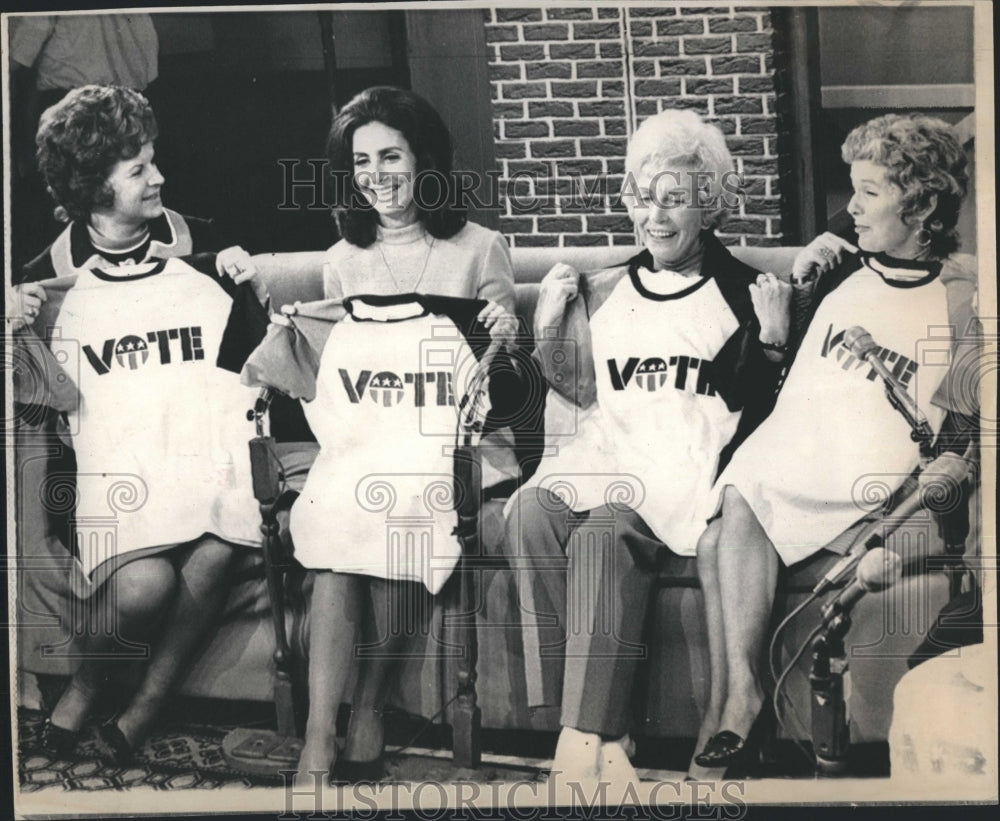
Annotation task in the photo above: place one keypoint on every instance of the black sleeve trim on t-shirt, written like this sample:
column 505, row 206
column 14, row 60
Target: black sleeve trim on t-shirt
column 40, row 268
column 247, row 323
column 206, row 236
column 746, row 379
column 517, row 386
column 245, row 329
column 517, row 401
column 204, row 263
column 465, row 314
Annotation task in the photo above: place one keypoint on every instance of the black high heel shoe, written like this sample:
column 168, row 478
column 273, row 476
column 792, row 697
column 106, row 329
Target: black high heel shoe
column 57, row 742
column 358, row 772
column 739, row 756
column 114, row 746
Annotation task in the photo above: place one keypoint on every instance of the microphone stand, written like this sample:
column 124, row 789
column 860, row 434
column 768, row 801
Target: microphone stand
column 830, row 687
column 829, row 677
column 920, row 429
column 953, row 525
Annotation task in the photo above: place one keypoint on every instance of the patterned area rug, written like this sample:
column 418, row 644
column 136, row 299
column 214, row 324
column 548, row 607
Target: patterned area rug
column 189, row 757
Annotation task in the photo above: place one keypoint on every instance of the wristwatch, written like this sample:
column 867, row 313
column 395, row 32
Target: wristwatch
column 810, row 276
column 774, row 346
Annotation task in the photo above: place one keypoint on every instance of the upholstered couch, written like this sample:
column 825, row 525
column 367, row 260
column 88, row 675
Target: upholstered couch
column 238, row 664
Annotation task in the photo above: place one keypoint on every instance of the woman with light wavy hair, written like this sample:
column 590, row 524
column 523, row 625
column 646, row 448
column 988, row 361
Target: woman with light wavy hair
column 663, row 363
column 790, row 489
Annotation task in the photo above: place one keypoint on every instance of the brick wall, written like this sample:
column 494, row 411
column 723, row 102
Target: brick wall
column 570, row 84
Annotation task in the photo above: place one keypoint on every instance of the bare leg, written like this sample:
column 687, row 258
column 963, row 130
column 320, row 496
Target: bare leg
column 140, row 593
column 399, row 610
column 748, row 576
column 203, row 576
column 335, row 615
column 708, row 575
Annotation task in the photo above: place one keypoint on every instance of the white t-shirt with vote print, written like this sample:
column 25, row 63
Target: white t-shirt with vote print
column 389, row 376
column 159, row 427
column 653, row 440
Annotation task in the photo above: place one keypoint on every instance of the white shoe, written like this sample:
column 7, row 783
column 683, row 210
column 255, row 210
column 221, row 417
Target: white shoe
column 615, row 766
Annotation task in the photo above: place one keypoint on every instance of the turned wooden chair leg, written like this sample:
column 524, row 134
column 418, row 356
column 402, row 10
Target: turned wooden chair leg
column 263, row 751
column 273, row 568
column 460, row 624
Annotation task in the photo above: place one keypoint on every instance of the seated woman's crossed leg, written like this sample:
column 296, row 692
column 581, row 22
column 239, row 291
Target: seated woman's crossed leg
column 166, row 602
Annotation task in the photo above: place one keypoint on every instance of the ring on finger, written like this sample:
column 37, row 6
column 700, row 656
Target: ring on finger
column 826, row 253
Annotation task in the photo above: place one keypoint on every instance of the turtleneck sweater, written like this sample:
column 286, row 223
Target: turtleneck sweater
column 475, row 264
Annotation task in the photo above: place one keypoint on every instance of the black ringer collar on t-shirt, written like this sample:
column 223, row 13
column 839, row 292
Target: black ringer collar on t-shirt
column 155, row 267
column 645, row 260
column 931, row 266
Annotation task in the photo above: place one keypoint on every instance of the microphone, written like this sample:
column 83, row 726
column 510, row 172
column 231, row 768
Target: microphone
column 878, row 570
column 851, row 558
column 910, row 500
column 860, row 343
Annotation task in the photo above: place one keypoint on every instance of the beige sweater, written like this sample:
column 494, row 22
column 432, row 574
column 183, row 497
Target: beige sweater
column 475, row 264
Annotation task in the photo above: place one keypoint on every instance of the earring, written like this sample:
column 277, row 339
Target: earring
column 923, row 237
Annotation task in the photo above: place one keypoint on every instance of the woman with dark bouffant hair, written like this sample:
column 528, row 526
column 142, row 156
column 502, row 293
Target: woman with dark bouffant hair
column 95, row 151
column 403, row 234
column 792, row 487
column 430, row 143
column 402, row 226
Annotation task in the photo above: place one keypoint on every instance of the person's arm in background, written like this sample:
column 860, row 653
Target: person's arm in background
column 959, row 393
column 28, row 36
column 333, row 288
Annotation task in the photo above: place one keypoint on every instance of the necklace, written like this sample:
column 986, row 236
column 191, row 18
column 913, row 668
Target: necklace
column 420, row 276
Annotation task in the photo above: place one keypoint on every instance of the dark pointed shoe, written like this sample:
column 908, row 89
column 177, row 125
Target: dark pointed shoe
column 57, row 742
column 113, row 744
column 742, row 757
column 722, row 750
